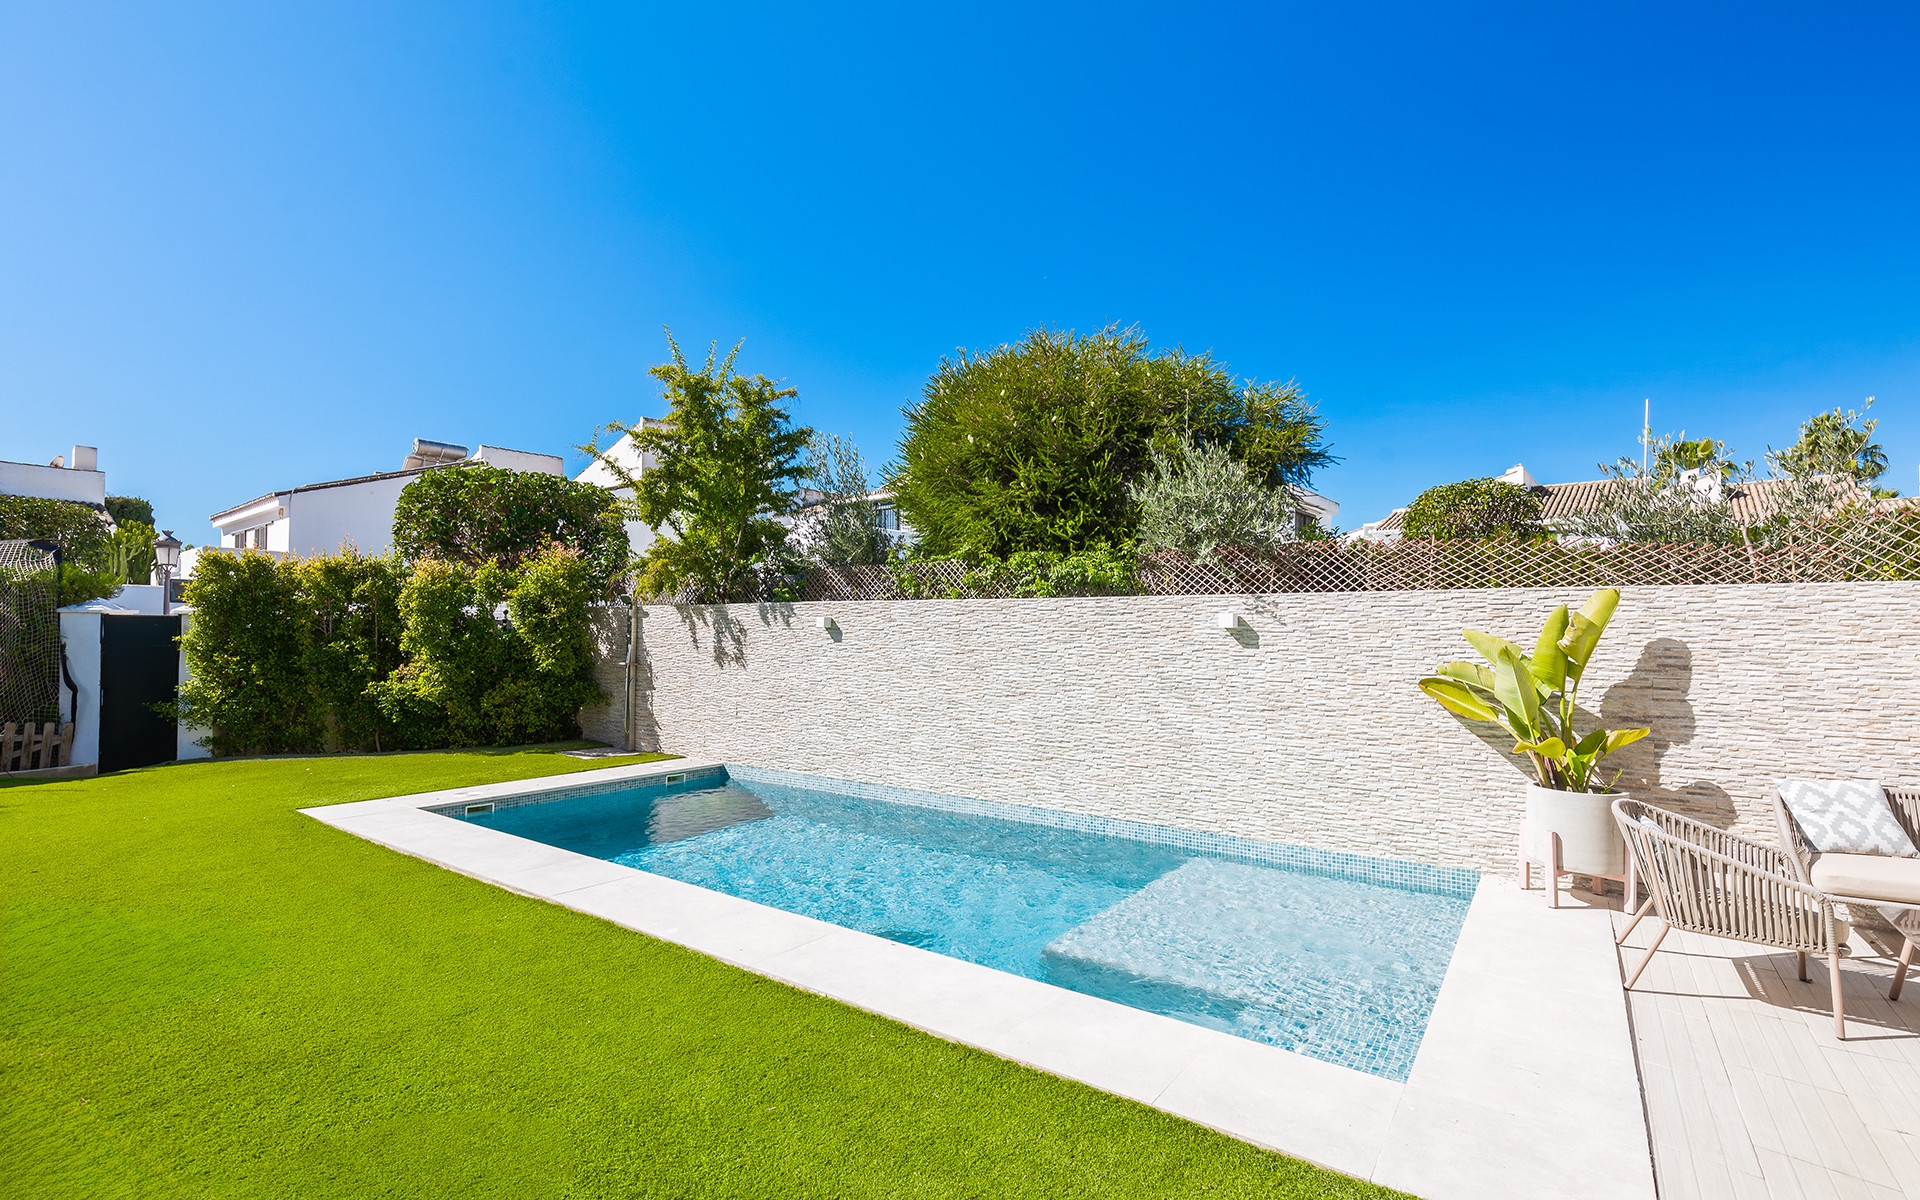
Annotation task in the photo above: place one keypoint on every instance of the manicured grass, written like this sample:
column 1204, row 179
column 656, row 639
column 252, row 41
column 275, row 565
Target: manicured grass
column 205, row 994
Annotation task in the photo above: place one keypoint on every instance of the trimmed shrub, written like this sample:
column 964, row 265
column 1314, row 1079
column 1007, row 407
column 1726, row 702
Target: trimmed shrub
column 472, row 514
column 350, row 604
column 249, row 680
column 86, row 545
column 346, row 652
column 1474, row 510
column 471, row 678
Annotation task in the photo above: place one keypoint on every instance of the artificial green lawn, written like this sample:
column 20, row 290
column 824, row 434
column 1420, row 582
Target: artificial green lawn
column 204, row 993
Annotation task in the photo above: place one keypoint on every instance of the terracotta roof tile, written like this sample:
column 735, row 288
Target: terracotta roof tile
column 1751, row 502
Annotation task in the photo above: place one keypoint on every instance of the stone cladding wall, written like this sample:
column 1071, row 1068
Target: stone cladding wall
column 1304, row 725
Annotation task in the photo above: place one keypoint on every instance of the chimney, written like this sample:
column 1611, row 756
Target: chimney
column 85, row 458
column 432, row 454
column 1517, row 473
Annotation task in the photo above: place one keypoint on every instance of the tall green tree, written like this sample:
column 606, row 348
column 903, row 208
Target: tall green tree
column 1036, row 446
column 843, row 527
column 727, row 462
column 130, row 510
column 1837, row 443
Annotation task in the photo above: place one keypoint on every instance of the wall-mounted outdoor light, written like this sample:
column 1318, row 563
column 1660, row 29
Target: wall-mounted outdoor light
column 824, row 623
column 1228, row 620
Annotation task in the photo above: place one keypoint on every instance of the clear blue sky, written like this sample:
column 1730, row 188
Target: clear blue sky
column 249, row 246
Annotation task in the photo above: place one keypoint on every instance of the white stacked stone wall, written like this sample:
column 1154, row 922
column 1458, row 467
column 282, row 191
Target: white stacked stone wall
column 1303, row 726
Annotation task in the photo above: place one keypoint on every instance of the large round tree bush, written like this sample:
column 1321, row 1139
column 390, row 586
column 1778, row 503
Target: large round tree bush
column 1035, row 446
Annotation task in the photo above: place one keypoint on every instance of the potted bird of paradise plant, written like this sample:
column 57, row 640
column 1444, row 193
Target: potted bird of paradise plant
column 1534, row 697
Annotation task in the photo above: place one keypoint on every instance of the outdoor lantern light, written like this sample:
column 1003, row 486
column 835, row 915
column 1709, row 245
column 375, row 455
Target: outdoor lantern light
column 166, row 560
column 1228, row 620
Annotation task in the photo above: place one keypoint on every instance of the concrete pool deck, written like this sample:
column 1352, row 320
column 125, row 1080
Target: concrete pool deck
column 1525, row 1084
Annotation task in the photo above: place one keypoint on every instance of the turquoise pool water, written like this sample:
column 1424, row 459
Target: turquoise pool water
column 1342, row 969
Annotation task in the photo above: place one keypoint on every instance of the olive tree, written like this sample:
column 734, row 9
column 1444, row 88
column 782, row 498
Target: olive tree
column 1198, row 499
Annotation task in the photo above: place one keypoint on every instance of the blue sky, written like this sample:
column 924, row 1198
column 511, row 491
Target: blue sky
column 246, row 246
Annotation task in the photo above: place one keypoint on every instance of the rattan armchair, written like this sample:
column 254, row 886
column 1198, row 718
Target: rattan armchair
column 1706, row 880
column 1901, row 909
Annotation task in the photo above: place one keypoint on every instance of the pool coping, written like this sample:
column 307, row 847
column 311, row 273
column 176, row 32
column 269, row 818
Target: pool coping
column 1525, row 1083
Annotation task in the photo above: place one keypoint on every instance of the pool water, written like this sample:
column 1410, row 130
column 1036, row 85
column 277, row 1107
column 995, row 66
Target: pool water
column 1338, row 969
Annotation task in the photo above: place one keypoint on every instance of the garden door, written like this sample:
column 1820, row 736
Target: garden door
column 139, row 667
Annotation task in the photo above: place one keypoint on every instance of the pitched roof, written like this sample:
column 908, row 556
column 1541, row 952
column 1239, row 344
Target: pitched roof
column 1751, row 503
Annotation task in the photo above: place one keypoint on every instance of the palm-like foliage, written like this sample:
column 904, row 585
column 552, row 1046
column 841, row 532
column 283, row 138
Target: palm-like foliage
column 1534, row 696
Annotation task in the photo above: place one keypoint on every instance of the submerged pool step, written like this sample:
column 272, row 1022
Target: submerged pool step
column 1256, row 951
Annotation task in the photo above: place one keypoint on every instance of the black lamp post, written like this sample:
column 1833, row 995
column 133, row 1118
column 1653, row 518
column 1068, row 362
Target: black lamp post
column 166, row 560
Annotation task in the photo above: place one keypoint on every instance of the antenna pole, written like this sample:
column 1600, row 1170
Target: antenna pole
column 1646, row 432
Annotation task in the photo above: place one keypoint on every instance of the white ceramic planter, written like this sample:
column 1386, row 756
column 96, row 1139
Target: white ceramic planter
column 1589, row 838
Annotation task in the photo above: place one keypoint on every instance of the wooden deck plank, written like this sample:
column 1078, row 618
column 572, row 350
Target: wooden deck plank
column 1748, row 1092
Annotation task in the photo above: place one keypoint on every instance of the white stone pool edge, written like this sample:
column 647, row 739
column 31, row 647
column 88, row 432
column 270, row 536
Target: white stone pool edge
column 1525, row 1083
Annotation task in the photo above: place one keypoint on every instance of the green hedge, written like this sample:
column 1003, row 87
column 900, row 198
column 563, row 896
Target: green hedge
column 346, row 652
column 86, row 546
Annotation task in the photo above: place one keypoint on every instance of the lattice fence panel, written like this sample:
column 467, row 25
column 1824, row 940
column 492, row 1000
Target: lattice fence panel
column 1880, row 546
column 29, row 634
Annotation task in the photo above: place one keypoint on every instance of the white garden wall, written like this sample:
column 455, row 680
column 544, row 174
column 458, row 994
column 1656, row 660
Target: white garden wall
column 1304, row 726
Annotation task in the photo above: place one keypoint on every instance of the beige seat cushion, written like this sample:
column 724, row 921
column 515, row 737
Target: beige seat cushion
column 1869, row 876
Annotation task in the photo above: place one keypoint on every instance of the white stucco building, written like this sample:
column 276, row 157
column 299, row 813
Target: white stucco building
column 76, row 476
column 320, row 518
column 635, row 462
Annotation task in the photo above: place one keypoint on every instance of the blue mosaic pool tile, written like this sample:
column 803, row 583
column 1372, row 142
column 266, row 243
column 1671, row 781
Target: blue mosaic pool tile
column 569, row 791
column 1457, row 882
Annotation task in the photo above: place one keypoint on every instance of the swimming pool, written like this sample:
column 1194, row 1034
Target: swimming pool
column 1338, row 957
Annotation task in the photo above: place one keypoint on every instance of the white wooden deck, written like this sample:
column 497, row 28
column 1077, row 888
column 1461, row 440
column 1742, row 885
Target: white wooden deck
column 1748, row 1093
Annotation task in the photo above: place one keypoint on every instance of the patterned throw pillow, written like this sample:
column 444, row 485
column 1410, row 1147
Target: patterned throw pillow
column 1846, row 816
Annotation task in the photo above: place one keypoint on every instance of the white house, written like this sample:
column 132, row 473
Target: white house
column 1310, row 508
column 75, row 477
column 321, row 517
column 635, row 462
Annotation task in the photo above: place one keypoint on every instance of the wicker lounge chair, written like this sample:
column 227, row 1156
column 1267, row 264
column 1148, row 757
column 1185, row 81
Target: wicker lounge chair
column 1706, row 880
column 1887, row 883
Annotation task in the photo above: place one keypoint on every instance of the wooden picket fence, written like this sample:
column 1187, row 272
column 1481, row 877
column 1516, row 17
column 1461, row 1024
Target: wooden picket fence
column 35, row 745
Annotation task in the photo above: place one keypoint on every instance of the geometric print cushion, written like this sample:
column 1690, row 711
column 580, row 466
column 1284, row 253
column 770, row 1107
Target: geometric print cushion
column 1846, row 816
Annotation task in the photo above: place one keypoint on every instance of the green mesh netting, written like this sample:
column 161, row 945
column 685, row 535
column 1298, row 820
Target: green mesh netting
column 29, row 634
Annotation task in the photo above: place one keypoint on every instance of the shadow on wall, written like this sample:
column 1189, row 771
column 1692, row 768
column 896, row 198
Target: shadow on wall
column 646, row 726
column 1654, row 694
column 725, row 635
column 723, row 632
